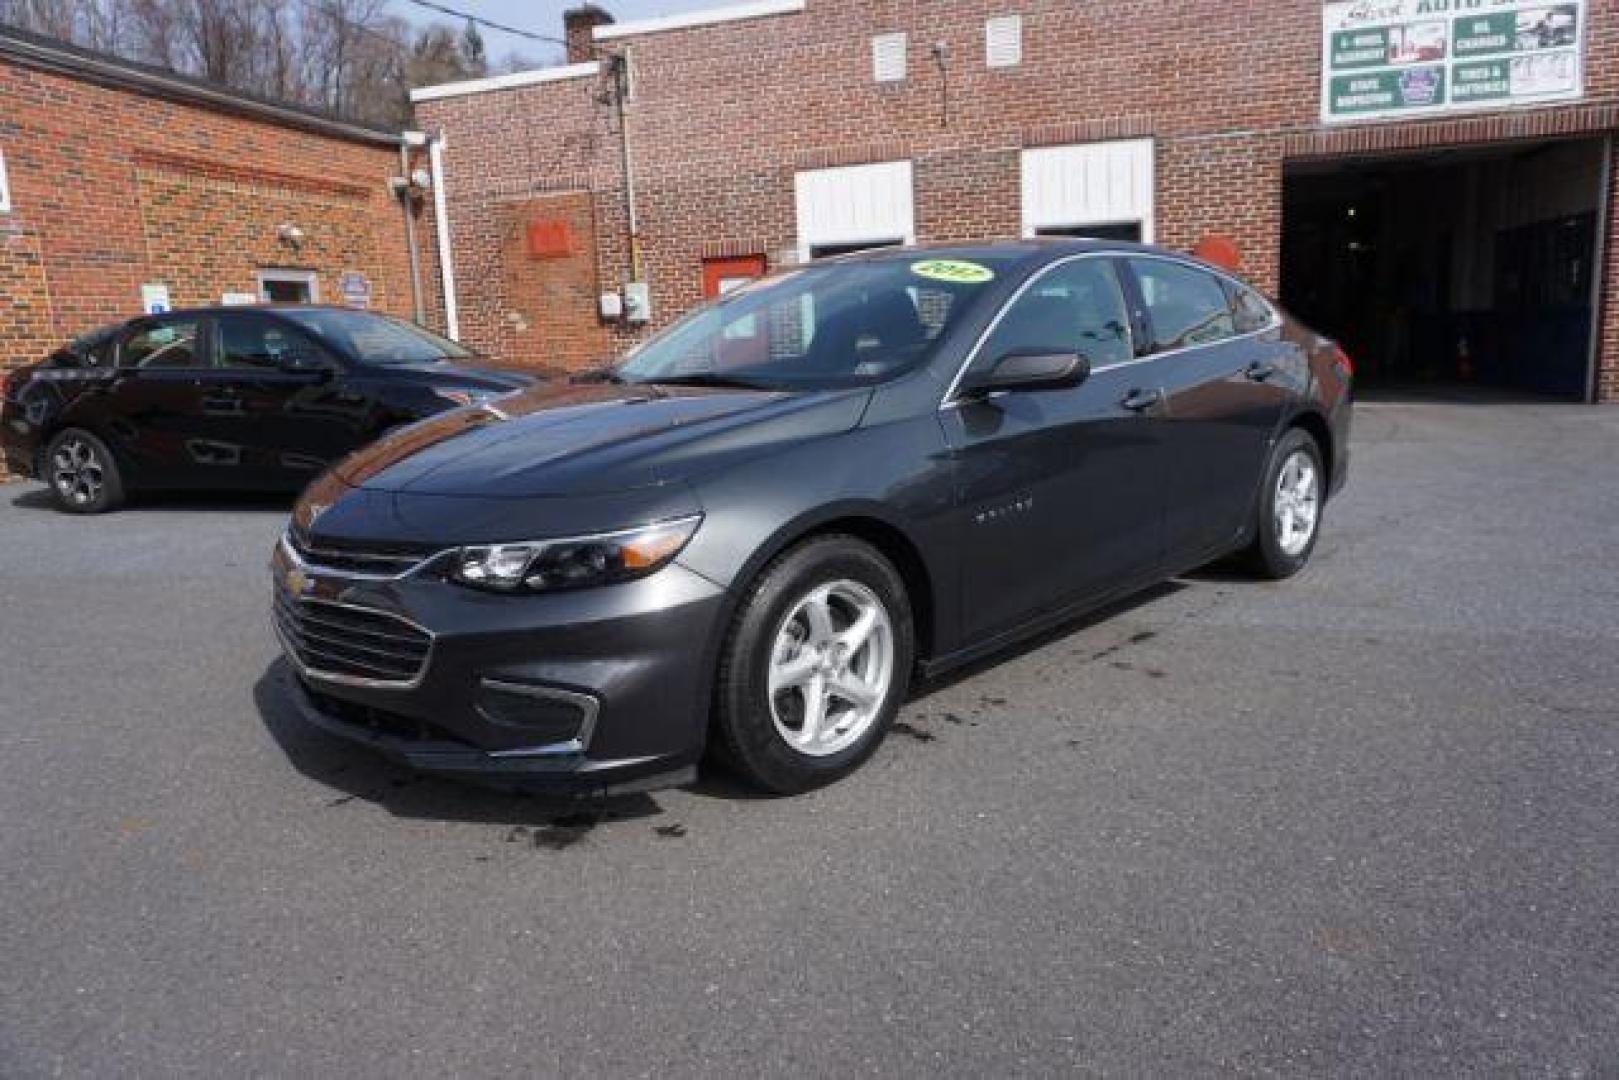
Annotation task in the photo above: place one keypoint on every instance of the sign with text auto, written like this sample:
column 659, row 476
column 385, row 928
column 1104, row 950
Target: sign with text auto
column 1389, row 59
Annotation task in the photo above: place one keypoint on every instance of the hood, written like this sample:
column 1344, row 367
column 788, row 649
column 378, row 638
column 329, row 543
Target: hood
column 570, row 438
column 452, row 375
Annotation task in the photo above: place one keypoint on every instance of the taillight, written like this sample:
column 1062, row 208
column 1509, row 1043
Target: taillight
column 1341, row 358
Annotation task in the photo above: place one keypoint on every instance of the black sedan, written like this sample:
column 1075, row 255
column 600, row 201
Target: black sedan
column 240, row 399
column 751, row 533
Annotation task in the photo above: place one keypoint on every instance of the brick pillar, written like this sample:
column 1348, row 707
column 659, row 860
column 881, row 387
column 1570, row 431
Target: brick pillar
column 1607, row 316
column 577, row 23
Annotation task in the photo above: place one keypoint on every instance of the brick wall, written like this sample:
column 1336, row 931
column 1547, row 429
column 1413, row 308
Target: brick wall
column 724, row 114
column 112, row 188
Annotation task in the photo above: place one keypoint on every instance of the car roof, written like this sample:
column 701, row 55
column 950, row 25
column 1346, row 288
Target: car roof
column 1031, row 248
column 268, row 306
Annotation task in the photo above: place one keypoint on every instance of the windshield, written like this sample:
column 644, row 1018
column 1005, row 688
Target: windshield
column 375, row 339
column 818, row 327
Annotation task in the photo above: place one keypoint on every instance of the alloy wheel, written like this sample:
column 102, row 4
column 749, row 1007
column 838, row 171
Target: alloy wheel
column 1297, row 505
column 77, row 472
column 831, row 668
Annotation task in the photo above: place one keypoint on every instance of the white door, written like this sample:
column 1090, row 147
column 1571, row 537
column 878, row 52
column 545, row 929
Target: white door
column 854, row 206
column 1105, row 186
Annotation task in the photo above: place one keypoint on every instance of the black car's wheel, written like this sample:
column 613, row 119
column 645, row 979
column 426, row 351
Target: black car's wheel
column 1290, row 504
column 816, row 665
column 82, row 473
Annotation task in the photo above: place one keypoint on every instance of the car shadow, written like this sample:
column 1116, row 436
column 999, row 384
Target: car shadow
column 922, row 689
column 355, row 773
column 40, row 498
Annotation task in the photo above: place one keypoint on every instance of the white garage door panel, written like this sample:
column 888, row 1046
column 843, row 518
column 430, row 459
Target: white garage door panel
column 854, row 205
column 1088, row 184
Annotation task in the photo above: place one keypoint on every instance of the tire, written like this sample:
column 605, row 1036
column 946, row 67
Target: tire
column 792, row 631
column 1289, row 510
column 82, row 473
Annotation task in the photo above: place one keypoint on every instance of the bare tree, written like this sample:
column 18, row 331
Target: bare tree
column 350, row 57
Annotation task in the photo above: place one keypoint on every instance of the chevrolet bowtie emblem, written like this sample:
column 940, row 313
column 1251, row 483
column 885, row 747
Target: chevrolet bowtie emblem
column 297, row 581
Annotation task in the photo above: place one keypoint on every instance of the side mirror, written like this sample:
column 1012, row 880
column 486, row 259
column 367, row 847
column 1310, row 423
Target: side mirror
column 1032, row 369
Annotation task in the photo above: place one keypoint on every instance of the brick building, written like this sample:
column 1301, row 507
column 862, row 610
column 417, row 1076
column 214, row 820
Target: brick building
column 1431, row 180
column 121, row 184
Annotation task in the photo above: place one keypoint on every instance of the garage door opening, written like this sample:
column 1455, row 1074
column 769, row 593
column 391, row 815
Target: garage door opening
column 1456, row 268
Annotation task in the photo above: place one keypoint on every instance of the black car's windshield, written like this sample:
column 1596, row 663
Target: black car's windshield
column 818, row 327
column 375, row 339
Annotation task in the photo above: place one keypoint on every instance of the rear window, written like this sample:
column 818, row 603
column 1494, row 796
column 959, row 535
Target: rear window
column 98, row 348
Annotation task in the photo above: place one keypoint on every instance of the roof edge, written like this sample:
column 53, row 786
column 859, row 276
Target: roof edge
column 64, row 59
column 509, row 81
column 757, row 9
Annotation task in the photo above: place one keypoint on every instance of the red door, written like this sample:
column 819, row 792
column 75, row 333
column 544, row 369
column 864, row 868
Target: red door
column 720, row 276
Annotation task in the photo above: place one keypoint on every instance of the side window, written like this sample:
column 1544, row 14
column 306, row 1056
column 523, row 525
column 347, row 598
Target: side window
column 1187, row 305
column 1249, row 309
column 167, row 344
column 253, row 341
column 1077, row 307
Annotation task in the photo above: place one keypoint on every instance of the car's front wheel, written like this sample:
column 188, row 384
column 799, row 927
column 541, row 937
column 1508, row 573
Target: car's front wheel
column 1290, row 505
column 816, row 665
column 82, row 473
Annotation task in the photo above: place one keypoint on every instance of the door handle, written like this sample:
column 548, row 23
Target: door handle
column 1259, row 371
column 1139, row 400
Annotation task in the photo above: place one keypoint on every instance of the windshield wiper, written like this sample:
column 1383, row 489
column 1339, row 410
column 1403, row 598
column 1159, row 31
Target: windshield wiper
column 707, row 378
column 598, row 375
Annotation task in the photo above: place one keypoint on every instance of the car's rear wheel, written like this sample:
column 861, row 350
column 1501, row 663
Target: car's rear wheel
column 1290, row 505
column 82, row 473
column 816, row 665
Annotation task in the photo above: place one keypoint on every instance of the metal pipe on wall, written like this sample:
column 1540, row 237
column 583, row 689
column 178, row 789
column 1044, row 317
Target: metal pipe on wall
column 441, row 220
column 407, row 142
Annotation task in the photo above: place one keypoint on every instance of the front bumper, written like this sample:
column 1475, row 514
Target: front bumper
column 598, row 690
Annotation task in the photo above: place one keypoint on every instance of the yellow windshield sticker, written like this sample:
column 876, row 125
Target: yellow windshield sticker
column 955, row 271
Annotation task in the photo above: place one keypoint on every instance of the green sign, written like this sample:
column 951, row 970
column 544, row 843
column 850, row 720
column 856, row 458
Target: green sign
column 1381, row 91
column 1483, row 80
column 1388, row 59
column 1360, row 48
column 1481, row 35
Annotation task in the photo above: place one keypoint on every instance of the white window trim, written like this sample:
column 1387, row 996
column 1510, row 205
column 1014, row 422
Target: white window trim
column 298, row 277
column 1012, row 27
column 905, row 234
column 898, row 41
column 5, row 186
column 1146, row 216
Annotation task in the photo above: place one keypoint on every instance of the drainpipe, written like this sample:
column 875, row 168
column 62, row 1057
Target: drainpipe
column 621, row 73
column 408, row 141
column 441, row 219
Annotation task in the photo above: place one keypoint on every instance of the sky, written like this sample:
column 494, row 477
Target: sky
column 543, row 17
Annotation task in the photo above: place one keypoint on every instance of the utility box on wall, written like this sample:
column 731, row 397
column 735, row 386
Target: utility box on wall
column 549, row 238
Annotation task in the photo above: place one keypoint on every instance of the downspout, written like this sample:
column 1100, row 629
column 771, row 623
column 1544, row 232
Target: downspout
column 408, row 141
column 621, row 64
column 441, row 220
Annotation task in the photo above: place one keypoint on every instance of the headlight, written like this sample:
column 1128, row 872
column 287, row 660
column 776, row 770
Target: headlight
column 574, row 563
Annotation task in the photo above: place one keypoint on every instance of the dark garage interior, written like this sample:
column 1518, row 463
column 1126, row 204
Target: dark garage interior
column 1452, row 269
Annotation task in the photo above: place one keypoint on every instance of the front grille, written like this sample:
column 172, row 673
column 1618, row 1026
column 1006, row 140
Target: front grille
column 381, row 721
column 346, row 561
column 345, row 642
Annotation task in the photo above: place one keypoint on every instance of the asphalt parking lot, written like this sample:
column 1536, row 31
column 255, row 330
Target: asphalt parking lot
column 1363, row 821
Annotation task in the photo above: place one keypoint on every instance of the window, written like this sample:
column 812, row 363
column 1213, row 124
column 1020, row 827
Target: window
column 1250, row 311
column 289, row 286
column 1003, row 41
column 842, row 324
column 171, row 343
column 1076, row 307
column 253, row 341
column 373, row 338
column 1129, row 231
column 850, row 207
column 888, row 57
column 1187, row 305
column 1079, row 188
column 5, row 186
